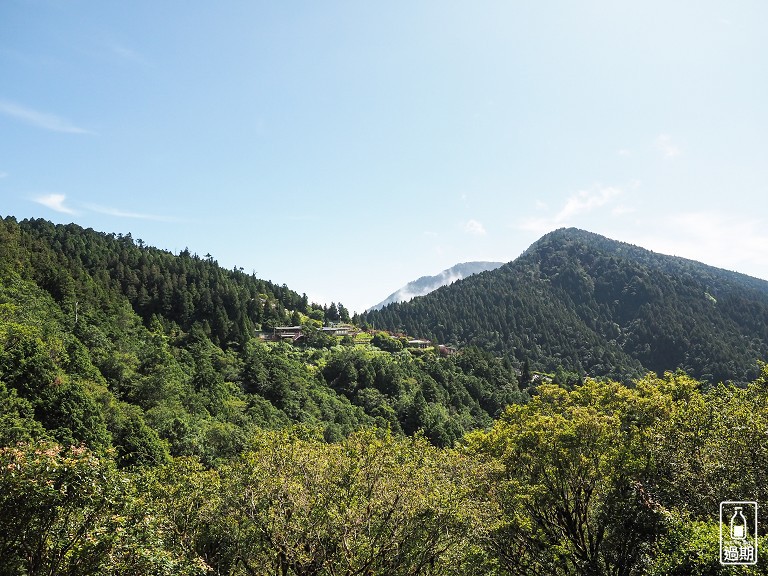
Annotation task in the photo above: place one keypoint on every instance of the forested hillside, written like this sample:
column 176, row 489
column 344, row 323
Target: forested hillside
column 116, row 344
column 89, row 268
column 600, row 307
column 139, row 434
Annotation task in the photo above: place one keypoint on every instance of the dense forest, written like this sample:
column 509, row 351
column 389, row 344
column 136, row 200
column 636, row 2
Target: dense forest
column 147, row 428
column 600, row 480
column 601, row 308
column 153, row 344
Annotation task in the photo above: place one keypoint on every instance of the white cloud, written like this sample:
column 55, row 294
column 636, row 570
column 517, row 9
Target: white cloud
column 586, row 201
column 127, row 214
column 55, row 202
column 730, row 242
column 58, row 203
column 667, row 146
column 580, row 203
column 475, row 228
column 624, row 152
column 40, row 119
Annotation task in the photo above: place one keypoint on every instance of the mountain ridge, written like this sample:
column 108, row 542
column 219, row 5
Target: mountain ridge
column 600, row 307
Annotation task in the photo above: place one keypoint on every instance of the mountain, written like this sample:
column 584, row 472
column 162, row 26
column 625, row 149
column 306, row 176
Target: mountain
column 427, row 284
column 601, row 307
column 146, row 429
column 114, row 344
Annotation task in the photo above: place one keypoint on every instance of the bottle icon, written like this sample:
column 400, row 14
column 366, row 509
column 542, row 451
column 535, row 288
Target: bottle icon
column 738, row 525
column 738, row 533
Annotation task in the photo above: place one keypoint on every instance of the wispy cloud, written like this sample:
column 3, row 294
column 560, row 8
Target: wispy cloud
column 40, row 119
column 730, row 242
column 667, row 146
column 475, row 228
column 125, row 53
column 55, row 202
column 586, row 201
column 59, row 203
column 110, row 211
column 580, row 203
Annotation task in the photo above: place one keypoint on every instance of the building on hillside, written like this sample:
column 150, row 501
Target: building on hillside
column 293, row 333
column 340, row 330
column 446, row 350
column 419, row 343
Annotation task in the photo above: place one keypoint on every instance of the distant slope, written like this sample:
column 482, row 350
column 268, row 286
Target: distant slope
column 427, row 284
column 602, row 307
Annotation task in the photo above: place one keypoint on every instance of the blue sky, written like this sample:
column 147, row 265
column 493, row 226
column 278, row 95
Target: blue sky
column 346, row 148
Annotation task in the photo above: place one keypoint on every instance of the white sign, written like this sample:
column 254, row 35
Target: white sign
column 738, row 533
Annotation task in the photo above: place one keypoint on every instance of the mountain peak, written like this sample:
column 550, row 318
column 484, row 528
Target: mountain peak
column 601, row 307
column 427, row 284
